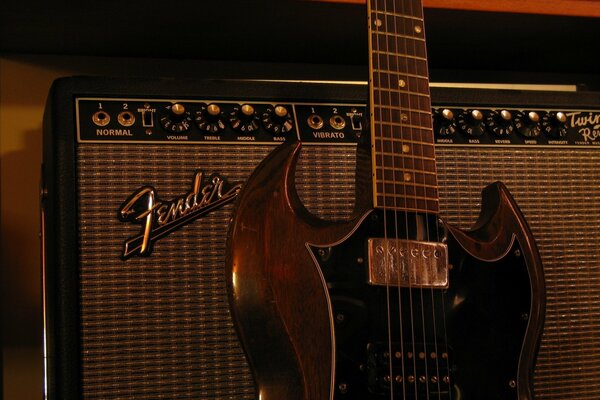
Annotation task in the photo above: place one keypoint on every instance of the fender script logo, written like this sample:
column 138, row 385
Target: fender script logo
column 159, row 218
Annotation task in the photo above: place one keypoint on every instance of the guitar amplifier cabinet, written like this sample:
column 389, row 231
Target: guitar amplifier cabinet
column 139, row 178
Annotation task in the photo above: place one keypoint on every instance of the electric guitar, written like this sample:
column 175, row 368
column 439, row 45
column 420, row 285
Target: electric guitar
column 394, row 304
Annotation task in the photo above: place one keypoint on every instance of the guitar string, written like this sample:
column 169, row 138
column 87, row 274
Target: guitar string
column 398, row 176
column 374, row 27
column 407, row 28
column 442, row 297
column 394, row 53
column 414, row 216
column 440, row 294
column 417, row 11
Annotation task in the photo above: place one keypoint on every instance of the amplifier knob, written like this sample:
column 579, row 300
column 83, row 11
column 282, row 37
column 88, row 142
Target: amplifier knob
column 528, row 123
column 500, row 123
column 554, row 124
column 177, row 120
column 277, row 120
column 444, row 122
column 471, row 122
column 244, row 119
column 210, row 118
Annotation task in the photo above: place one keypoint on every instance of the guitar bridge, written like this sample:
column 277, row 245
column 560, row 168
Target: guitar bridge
column 421, row 371
column 408, row 263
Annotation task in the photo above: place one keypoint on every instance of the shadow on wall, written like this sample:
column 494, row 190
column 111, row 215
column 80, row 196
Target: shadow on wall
column 23, row 91
column 20, row 275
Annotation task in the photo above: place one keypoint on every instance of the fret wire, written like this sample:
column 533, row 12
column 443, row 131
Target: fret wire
column 403, row 118
column 420, row 174
column 418, row 120
column 406, row 92
column 423, row 172
column 414, row 207
column 405, row 106
column 418, row 85
column 393, row 199
column 406, row 155
column 392, row 145
column 422, row 60
column 387, row 79
column 390, row 80
column 391, row 132
column 402, row 140
column 430, row 181
column 411, row 196
column 391, row 14
column 390, row 110
column 411, row 143
column 426, row 130
column 404, row 125
column 412, row 110
column 418, row 165
column 398, row 7
column 399, row 108
column 401, row 203
column 409, row 184
column 385, row 179
column 434, row 209
column 390, row 53
column 395, row 112
column 394, row 90
column 418, row 64
column 418, row 150
column 393, row 59
column 401, row 74
column 397, row 36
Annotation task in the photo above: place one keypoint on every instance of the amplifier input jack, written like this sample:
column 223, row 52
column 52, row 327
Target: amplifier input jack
column 126, row 118
column 101, row 118
column 315, row 121
column 337, row 122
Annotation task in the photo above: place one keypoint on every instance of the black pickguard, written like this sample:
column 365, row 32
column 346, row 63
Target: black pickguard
column 464, row 342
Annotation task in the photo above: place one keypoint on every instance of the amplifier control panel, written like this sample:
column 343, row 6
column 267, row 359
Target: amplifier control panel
column 513, row 126
column 238, row 121
column 216, row 121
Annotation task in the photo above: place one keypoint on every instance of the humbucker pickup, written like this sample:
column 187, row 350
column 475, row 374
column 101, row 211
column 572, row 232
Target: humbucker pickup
column 408, row 263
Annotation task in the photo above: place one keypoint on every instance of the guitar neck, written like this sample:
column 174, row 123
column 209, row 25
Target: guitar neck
column 403, row 158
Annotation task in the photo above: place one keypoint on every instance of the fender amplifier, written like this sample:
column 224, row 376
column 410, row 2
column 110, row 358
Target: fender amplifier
column 139, row 178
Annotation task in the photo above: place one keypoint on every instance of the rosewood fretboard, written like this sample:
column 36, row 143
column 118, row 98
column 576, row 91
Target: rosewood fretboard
column 404, row 173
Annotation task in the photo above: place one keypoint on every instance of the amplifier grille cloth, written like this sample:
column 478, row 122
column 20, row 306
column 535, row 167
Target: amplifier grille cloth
column 559, row 193
column 159, row 327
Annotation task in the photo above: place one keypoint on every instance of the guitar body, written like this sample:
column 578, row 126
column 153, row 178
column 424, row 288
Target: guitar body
column 313, row 328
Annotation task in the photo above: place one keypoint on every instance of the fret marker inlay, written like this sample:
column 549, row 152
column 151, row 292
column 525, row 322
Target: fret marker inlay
column 418, row 29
